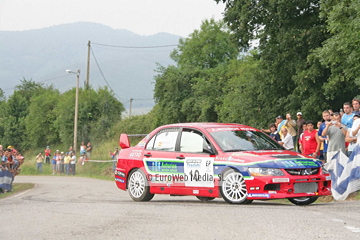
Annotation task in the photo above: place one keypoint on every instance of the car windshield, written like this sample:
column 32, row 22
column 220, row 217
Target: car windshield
column 234, row 140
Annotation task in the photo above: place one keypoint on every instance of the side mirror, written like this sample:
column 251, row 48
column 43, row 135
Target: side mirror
column 124, row 141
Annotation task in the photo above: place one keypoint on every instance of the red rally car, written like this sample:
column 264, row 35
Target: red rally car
column 209, row 160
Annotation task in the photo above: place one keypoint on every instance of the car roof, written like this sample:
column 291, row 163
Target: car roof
column 206, row 125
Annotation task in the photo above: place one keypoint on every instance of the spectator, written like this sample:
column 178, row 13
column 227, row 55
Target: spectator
column 347, row 117
column 290, row 124
column 273, row 133
column 355, row 130
column 279, row 122
column 321, row 157
column 62, row 156
column 72, row 163
column 299, row 124
column 114, row 155
column 326, row 117
column 350, row 138
column 39, row 162
column 287, row 141
column 336, row 133
column 2, row 170
column 82, row 149
column 7, row 172
column 67, row 160
column 88, row 150
column 301, row 138
column 47, row 154
column 310, row 141
column 356, row 106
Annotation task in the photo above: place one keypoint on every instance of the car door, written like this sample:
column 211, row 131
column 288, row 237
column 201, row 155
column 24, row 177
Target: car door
column 197, row 155
column 159, row 155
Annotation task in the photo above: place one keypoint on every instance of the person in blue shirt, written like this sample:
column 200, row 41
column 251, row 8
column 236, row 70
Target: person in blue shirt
column 326, row 117
column 348, row 116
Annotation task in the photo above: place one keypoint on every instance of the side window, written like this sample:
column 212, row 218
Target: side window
column 192, row 141
column 165, row 140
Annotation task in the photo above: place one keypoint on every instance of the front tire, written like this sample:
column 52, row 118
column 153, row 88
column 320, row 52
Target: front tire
column 233, row 188
column 138, row 186
column 303, row 200
column 205, row 199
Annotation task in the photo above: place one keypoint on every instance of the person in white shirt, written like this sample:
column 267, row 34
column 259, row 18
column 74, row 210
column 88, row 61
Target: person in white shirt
column 72, row 163
column 287, row 140
column 350, row 138
column 355, row 129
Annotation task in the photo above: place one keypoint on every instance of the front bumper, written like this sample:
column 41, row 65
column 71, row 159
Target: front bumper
column 288, row 186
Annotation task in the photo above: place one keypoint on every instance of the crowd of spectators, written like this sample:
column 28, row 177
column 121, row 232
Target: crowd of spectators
column 337, row 131
column 11, row 160
column 61, row 163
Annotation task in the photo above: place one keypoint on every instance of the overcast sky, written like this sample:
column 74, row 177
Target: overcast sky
column 144, row 17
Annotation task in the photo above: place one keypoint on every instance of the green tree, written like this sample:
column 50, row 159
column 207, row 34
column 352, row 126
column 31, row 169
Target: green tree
column 193, row 90
column 98, row 110
column 40, row 129
column 287, row 32
column 341, row 52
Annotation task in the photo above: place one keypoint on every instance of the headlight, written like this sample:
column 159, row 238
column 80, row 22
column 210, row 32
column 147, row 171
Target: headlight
column 259, row 172
column 324, row 170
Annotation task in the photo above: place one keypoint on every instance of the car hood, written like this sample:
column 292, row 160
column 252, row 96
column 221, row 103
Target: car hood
column 271, row 159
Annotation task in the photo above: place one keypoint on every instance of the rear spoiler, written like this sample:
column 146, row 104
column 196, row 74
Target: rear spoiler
column 124, row 141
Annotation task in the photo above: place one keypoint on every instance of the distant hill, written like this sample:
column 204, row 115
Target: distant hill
column 44, row 54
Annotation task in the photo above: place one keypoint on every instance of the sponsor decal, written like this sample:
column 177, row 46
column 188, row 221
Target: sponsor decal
column 119, row 180
column 328, row 178
column 135, row 153
column 232, row 129
column 199, row 172
column 262, row 195
column 300, row 163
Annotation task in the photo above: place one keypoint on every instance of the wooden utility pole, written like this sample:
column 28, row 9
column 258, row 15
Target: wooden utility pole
column 88, row 67
column 130, row 106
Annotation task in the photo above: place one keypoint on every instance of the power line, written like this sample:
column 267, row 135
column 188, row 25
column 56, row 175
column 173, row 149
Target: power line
column 102, row 74
column 160, row 46
column 148, row 50
column 67, row 75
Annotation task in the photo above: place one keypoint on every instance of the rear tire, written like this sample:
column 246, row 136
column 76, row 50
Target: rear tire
column 138, row 186
column 303, row 200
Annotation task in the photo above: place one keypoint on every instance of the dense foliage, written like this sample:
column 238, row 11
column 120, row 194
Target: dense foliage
column 301, row 55
column 36, row 115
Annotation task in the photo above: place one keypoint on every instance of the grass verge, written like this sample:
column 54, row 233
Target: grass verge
column 18, row 187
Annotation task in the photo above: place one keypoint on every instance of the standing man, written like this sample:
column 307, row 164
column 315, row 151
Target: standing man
column 336, row 133
column 299, row 124
column 347, row 117
column 72, row 163
column 67, row 161
column 356, row 106
column 47, row 155
column 287, row 141
column 88, row 150
column 310, row 140
column 39, row 162
column 326, row 117
column 290, row 124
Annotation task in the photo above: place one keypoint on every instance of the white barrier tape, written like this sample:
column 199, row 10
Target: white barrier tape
column 100, row 161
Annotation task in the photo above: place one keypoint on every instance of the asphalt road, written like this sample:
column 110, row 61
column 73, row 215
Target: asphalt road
column 82, row 208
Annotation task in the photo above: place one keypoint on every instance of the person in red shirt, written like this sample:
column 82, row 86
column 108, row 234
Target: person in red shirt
column 47, row 155
column 310, row 141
